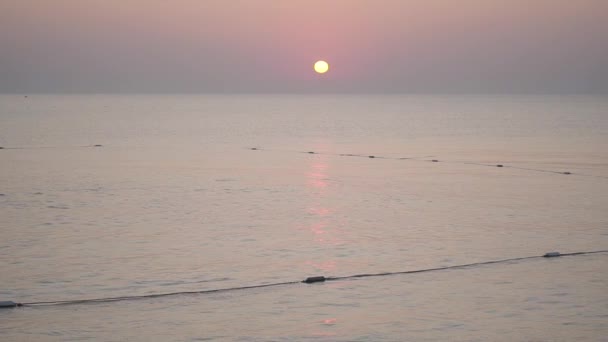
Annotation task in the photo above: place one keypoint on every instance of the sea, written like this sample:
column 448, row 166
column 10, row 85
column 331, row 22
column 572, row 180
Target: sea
column 134, row 196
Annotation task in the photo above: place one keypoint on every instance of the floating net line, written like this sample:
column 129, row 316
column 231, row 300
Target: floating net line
column 47, row 147
column 372, row 156
column 432, row 160
column 309, row 280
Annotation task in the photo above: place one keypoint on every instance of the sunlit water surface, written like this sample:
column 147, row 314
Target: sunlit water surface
column 177, row 200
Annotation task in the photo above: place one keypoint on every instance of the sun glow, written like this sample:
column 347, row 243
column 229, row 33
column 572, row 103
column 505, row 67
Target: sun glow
column 321, row 67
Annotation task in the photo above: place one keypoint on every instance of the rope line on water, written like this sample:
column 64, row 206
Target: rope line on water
column 546, row 255
column 115, row 299
column 309, row 280
column 47, row 147
column 423, row 159
column 426, row 159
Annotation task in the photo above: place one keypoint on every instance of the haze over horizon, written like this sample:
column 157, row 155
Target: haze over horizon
column 269, row 46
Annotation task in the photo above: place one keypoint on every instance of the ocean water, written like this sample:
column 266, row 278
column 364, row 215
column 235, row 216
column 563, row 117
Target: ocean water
column 176, row 199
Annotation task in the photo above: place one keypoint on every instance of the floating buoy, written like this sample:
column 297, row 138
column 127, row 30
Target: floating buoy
column 311, row 152
column 552, row 255
column 499, row 165
column 311, row 280
column 1, row 148
column 98, row 145
column 435, row 161
column 372, row 157
column 9, row 304
column 567, row 173
column 254, row 148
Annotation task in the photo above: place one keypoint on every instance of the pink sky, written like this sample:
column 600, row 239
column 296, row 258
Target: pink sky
column 268, row 46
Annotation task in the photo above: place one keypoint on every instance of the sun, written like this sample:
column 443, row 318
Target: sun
column 321, row 67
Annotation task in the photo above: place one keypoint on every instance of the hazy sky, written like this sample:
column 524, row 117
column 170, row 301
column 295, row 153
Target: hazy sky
column 420, row 46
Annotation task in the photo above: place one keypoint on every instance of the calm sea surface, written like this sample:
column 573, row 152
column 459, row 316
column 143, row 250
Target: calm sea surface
column 177, row 200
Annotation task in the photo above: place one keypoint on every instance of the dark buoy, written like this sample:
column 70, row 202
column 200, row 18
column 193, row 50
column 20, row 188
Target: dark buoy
column 311, row 152
column 1, row 148
column 98, row 145
column 372, row 156
column 8, row 304
column 499, row 165
column 567, row 173
column 552, row 255
column 435, row 161
column 254, row 148
column 311, row 280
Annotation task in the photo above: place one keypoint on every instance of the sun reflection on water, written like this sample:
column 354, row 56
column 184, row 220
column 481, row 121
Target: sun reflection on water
column 322, row 226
